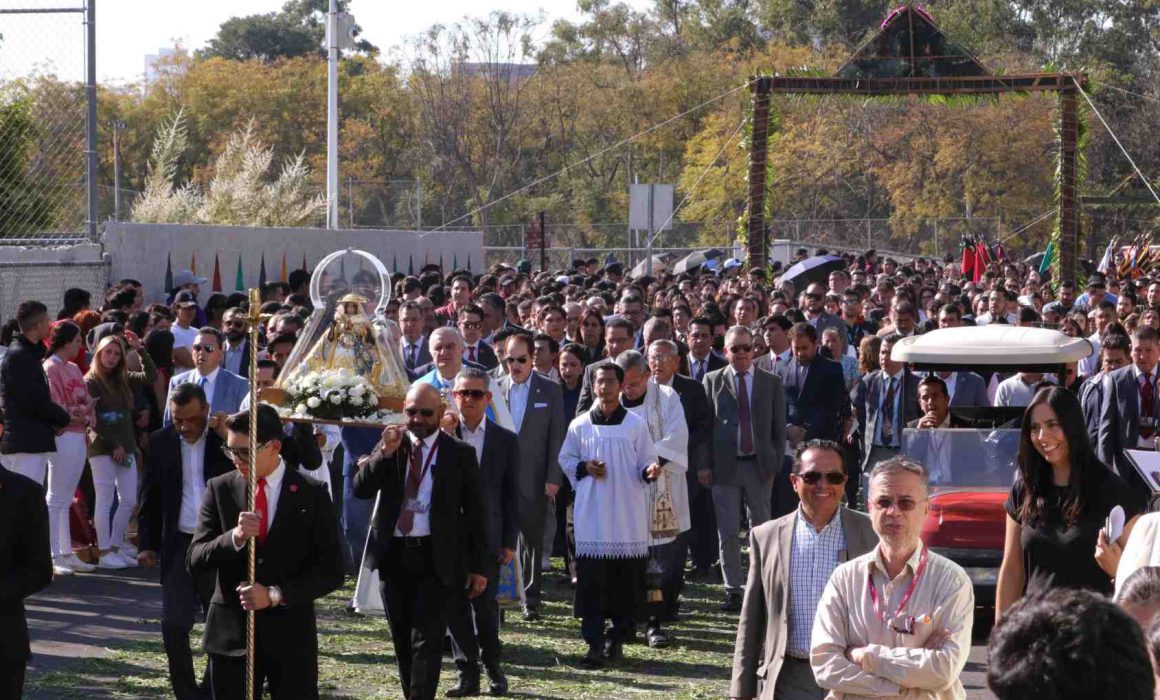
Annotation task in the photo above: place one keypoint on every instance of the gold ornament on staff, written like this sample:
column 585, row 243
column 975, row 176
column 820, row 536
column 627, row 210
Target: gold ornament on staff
column 255, row 319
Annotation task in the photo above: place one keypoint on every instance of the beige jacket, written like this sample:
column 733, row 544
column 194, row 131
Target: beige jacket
column 894, row 663
column 762, row 632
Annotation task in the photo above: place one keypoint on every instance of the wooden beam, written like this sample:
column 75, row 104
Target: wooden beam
column 1068, row 172
column 959, row 85
column 756, row 235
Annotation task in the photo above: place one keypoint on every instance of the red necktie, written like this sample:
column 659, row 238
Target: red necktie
column 743, row 415
column 888, row 414
column 1146, row 407
column 261, row 506
column 411, row 490
column 471, row 353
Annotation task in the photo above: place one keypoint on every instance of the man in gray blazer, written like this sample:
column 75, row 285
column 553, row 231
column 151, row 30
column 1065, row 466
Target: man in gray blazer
column 537, row 407
column 1131, row 408
column 748, row 449
column 965, row 388
column 790, row 562
column 884, row 402
column 224, row 389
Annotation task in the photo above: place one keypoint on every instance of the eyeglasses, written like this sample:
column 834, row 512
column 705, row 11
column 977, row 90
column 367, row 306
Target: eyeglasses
column 905, row 505
column 472, row 325
column 240, row 454
column 236, row 324
column 208, row 347
column 740, row 348
column 832, row 478
column 425, row 412
column 522, row 359
column 475, row 394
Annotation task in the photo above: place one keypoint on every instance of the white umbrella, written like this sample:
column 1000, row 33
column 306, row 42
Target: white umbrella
column 641, row 269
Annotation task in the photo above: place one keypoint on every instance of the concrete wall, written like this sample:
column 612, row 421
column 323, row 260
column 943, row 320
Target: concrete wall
column 140, row 251
column 43, row 274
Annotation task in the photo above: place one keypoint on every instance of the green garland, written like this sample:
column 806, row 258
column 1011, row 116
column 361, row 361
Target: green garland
column 746, row 143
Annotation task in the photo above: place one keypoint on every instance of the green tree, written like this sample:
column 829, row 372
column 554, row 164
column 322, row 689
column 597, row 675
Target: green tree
column 24, row 208
column 299, row 29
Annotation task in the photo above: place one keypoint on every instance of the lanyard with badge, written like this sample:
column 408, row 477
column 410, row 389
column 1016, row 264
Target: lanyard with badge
column 908, row 623
column 413, row 504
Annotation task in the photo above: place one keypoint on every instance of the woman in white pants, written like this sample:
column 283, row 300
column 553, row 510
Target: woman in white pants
column 67, row 386
column 112, row 445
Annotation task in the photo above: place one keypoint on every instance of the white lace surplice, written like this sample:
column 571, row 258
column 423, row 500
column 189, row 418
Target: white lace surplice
column 665, row 417
column 612, row 513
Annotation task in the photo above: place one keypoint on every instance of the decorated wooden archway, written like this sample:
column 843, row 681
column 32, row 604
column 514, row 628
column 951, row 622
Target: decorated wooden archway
column 910, row 55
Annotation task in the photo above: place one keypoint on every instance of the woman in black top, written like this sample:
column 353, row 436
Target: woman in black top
column 1059, row 503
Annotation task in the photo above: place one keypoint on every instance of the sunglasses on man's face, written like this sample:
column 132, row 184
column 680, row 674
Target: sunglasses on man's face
column 236, row 323
column 905, row 505
column 735, row 349
column 240, row 454
column 425, row 412
column 207, row 347
column 475, row 394
column 832, row 478
column 522, row 359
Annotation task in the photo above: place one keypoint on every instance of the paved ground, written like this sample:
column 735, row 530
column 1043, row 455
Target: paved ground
column 84, row 627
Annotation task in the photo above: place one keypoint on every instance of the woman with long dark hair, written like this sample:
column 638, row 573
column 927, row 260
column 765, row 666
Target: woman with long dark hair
column 1059, row 503
column 67, row 386
column 592, row 335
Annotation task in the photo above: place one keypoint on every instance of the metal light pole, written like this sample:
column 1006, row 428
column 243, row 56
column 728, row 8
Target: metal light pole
column 118, row 127
column 91, row 117
column 332, row 116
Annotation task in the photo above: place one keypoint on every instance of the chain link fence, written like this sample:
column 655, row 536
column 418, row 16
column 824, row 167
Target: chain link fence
column 43, row 195
column 46, row 282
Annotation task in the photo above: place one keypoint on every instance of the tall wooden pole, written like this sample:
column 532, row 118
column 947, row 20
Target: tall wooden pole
column 757, row 238
column 1068, row 174
column 255, row 318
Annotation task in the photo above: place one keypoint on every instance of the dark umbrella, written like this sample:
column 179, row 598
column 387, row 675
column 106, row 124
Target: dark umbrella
column 1034, row 259
column 811, row 270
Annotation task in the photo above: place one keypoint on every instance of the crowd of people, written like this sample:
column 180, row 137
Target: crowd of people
column 635, row 428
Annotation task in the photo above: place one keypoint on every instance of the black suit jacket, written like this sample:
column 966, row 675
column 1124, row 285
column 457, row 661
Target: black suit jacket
column 30, row 417
column 822, row 405
column 714, row 362
column 161, row 487
column 456, row 511
column 300, row 448
column 499, row 490
column 699, row 418
column 301, row 555
column 485, row 356
column 25, row 558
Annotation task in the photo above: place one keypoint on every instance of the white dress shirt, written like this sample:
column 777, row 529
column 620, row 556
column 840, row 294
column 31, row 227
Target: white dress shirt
column 421, row 520
column 951, row 380
column 273, row 491
column 1141, row 441
column 518, row 401
column 232, row 358
column 192, row 483
column 475, row 437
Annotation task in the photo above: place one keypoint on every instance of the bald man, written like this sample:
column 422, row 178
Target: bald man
column 427, row 541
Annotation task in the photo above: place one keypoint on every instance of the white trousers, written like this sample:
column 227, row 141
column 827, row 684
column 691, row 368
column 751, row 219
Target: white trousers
column 108, row 475
column 64, row 473
column 33, row 466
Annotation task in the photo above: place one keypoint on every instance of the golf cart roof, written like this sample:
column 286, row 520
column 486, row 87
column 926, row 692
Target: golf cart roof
column 994, row 347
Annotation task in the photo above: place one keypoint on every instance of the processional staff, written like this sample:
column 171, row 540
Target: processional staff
column 255, row 319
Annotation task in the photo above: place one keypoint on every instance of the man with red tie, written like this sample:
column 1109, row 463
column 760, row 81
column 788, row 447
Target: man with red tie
column 1131, row 408
column 474, row 349
column 298, row 561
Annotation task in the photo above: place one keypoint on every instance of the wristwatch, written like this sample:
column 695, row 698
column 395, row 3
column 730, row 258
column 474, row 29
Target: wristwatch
column 275, row 596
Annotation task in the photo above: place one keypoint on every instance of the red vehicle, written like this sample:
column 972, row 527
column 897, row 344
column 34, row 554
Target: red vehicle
column 972, row 469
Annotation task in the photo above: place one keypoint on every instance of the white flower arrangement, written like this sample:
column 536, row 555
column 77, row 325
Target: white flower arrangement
column 332, row 395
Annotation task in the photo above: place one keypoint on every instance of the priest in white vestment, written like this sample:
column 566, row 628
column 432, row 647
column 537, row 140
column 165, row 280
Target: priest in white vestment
column 609, row 458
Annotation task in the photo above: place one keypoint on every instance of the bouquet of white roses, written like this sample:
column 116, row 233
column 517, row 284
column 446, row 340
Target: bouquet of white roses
column 332, row 395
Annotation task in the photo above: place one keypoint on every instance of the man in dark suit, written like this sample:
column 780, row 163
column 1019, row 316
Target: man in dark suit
column 930, row 446
column 965, row 388
column 298, row 561
column 619, row 335
column 816, row 401
column 702, row 358
column 413, row 344
column 474, row 624
column 883, row 406
column 474, row 349
column 537, row 408
column 236, row 353
column 702, row 536
column 1115, row 353
column 26, row 563
column 179, row 462
column 428, row 536
column 748, row 449
column 1131, row 408
column 30, row 417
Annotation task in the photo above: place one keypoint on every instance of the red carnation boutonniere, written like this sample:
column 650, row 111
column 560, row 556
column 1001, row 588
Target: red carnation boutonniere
column 293, row 488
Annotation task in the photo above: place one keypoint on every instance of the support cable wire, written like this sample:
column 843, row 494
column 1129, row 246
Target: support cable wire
column 1129, row 92
column 1117, row 140
column 704, row 172
column 599, row 153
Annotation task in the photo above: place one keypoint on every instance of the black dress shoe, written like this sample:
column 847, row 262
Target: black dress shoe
column 531, row 614
column 465, row 688
column 593, row 660
column 658, row 638
column 497, row 683
column 732, row 603
column 613, row 649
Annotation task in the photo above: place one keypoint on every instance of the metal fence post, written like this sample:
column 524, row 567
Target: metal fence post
column 91, row 116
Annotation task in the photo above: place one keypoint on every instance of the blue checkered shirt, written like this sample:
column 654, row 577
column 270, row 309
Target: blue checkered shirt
column 813, row 557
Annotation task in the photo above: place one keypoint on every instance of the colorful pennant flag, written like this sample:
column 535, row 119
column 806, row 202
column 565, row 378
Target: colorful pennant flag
column 304, row 268
column 1048, row 257
column 342, row 268
column 395, row 262
column 411, row 265
column 262, row 272
column 1106, row 262
column 217, row 274
column 239, row 278
column 168, row 272
column 455, row 261
column 967, row 268
column 284, row 278
column 193, row 263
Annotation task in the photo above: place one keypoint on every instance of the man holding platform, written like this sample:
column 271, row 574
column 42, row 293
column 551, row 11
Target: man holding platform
column 608, row 456
column 447, row 349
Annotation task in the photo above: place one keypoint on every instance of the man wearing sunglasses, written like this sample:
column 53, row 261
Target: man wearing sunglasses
column 474, row 349
column 749, row 436
column 790, row 562
column 236, row 351
column 224, row 389
column 537, row 412
column 298, row 561
column 896, row 620
column 427, row 540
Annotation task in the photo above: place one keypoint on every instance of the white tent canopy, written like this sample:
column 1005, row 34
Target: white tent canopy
column 993, row 344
